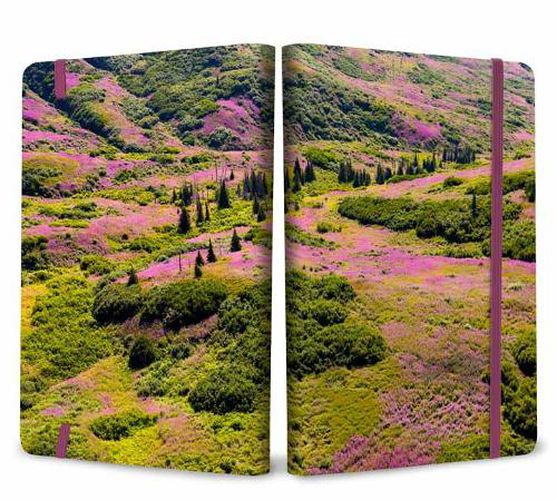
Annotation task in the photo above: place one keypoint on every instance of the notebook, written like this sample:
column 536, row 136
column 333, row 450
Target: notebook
column 389, row 288
column 409, row 198
column 147, row 196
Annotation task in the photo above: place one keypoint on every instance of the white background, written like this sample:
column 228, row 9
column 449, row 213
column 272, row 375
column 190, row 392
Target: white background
column 48, row 29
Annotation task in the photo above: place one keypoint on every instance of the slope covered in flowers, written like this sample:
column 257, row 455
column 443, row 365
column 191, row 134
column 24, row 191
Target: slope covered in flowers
column 388, row 180
column 146, row 230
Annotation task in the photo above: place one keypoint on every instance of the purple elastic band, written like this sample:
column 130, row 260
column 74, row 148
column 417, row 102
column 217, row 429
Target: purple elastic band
column 63, row 440
column 496, row 256
column 60, row 79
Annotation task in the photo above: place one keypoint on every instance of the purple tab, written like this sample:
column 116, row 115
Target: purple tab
column 63, row 440
column 60, row 78
column 497, row 80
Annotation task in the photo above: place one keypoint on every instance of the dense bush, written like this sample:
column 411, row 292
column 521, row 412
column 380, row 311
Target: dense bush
column 524, row 352
column 222, row 391
column 345, row 344
column 64, row 340
column 318, row 336
column 519, row 240
column 456, row 221
column 326, row 312
column 34, row 253
column 36, row 181
column 244, row 330
column 511, row 182
column 116, row 303
column 95, row 264
column 142, row 353
column 520, row 408
column 183, row 303
column 121, row 425
column 452, row 181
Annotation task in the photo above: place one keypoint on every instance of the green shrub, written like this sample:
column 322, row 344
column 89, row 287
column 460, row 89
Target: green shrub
column 121, row 425
column 142, row 353
column 223, row 391
column 327, row 227
column 64, row 339
column 116, row 303
column 520, row 410
column 95, row 264
column 452, row 181
column 519, row 240
column 524, row 352
column 183, row 303
column 349, row 345
column 34, row 254
column 326, row 312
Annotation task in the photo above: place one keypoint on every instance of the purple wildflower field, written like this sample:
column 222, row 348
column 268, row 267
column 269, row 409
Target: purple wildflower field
column 146, row 254
column 387, row 172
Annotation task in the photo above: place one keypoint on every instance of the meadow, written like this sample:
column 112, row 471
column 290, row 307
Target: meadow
column 387, row 175
column 147, row 196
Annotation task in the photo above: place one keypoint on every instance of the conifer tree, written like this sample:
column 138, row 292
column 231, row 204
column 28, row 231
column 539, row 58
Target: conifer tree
column 261, row 216
column 379, row 175
column 298, row 171
column 235, row 244
column 309, row 173
column 223, row 201
column 173, row 196
column 232, row 174
column 184, row 223
column 211, row 257
column 474, row 206
column 187, row 194
column 199, row 259
column 286, row 179
column 255, row 206
column 197, row 272
column 207, row 213
column 133, row 279
column 297, row 182
column 199, row 211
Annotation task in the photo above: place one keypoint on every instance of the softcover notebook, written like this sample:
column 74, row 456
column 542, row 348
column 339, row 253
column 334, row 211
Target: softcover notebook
column 146, row 258
column 147, row 196
column 391, row 288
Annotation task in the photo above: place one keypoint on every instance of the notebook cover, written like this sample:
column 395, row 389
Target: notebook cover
column 147, row 197
column 388, row 230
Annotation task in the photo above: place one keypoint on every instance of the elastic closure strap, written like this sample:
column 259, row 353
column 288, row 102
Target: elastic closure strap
column 497, row 81
column 60, row 78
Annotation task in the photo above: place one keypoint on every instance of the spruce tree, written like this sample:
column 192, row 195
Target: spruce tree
column 235, row 244
column 223, row 201
column 261, row 216
column 474, row 206
column 286, row 179
column 187, row 193
column 211, row 257
column 297, row 183
column 255, row 206
column 173, row 196
column 133, row 279
column 379, row 175
column 199, row 210
column 199, row 259
column 309, row 173
column 207, row 213
column 184, row 223
column 197, row 272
